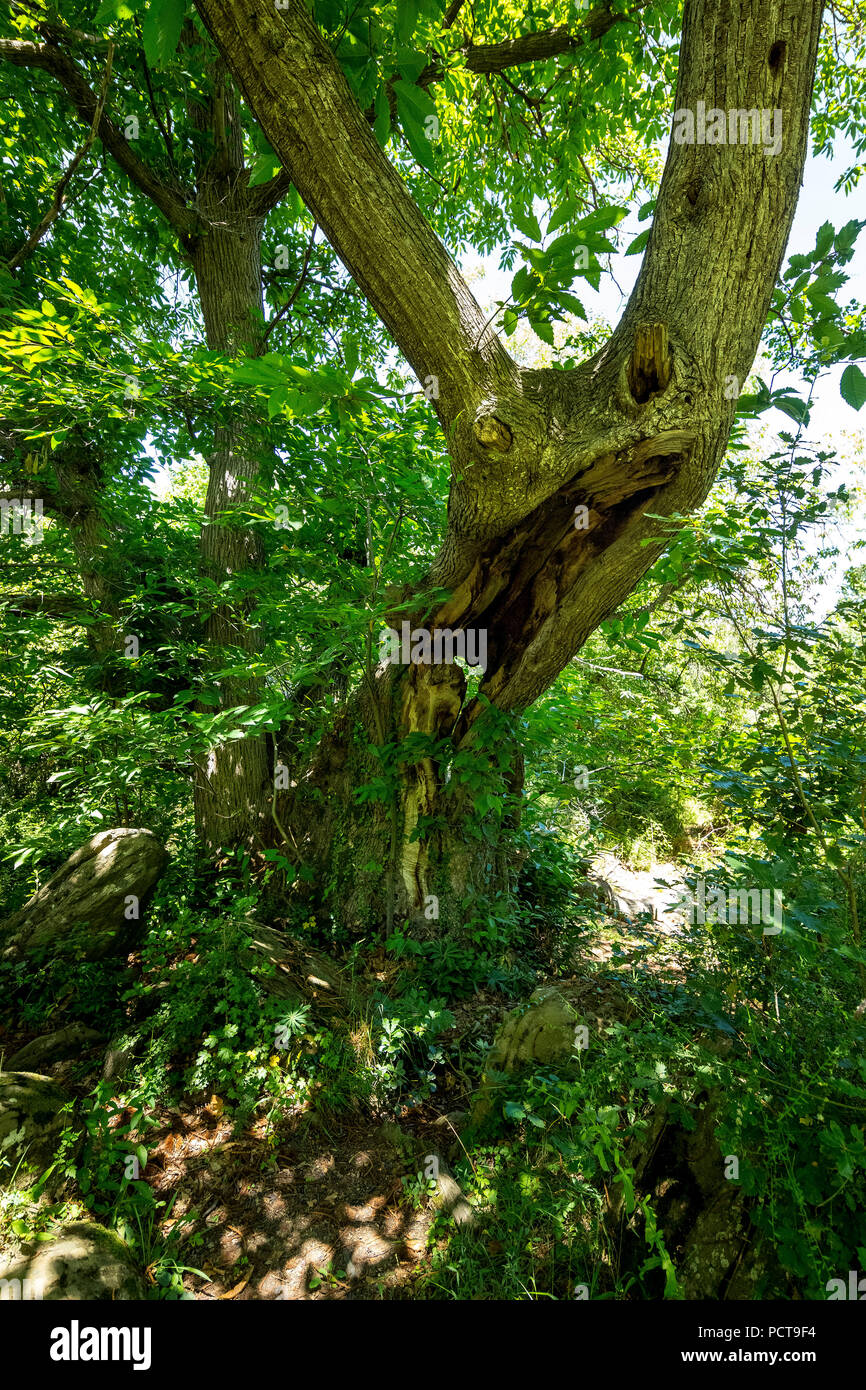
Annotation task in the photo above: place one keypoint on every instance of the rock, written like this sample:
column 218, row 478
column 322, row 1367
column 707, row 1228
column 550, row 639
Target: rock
column 93, row 905
column 547, row 1034
column 81, row 1261
column 631, row 893
column 53, row 1047
column 32, row 1118
column 118, row 1059
column 703, row 1215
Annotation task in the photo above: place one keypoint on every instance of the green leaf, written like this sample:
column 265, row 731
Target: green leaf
column 410, row 63
column 407, row 19
column 853, row 386
column 382, row 116
column 639, row 242
column 791, row 406
column 416, row 111
column 264, row 167
column 562, row 216
column 527, row 223
column 160, row 31
column 542, row 327
column 112, row 11
column 571, row 301
column 602, row 219
column 823, row 241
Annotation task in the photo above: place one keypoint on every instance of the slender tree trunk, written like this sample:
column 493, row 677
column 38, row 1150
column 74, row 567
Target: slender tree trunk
column 232, row 780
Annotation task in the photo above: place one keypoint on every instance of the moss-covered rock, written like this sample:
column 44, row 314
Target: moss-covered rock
column 81, row 1261
column 545, row 1034
column 33, row 1115
column 92, row 907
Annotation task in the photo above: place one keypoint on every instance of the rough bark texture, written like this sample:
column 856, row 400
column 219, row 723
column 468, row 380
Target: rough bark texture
column 85, row 908
column 640, row 427
column 232, row 781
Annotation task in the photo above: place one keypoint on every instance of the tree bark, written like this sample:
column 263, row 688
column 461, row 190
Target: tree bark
column 232, row 781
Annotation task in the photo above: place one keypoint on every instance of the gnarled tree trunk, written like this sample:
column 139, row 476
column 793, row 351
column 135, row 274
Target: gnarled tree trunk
column 639, row 428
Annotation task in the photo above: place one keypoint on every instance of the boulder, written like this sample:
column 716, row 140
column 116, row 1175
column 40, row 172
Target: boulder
column 546, row 1034
column 81, row 1260
column 703, row 1214
column 93, row 905
column 53, row 1047
column 32, row 1118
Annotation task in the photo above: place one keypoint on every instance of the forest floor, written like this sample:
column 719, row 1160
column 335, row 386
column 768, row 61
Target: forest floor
column 319, row 1211
column 316, row 1207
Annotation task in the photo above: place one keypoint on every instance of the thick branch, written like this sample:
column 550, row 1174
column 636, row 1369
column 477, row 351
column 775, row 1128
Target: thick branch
column 308, row 113
column 53, row 60
column 642, row 427
column 265, row 196
column 67, row 608
column 690, row 330
column 537, row 47
column 42, row 228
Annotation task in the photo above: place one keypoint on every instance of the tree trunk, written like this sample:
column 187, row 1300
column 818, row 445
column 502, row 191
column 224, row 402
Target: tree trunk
column 218, row 226
column 394, row 821
column 232, row 781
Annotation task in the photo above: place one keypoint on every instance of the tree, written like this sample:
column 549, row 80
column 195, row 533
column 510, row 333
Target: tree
column 639, row 428
column 200, row 185
column 398, row 799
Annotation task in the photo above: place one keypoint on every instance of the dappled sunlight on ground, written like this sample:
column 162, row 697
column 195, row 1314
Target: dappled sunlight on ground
column 298, row 1217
